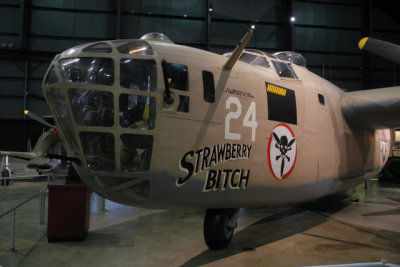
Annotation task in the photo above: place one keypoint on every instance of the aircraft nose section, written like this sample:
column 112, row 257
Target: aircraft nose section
column 103, row 98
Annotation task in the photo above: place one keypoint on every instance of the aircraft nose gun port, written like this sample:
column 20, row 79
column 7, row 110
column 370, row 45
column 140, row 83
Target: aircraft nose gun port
column 103, row 99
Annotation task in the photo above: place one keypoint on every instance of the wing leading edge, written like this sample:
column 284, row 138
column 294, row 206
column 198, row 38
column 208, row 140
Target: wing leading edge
column 372, row 109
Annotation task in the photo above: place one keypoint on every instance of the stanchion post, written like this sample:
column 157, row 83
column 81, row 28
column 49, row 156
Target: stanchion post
column 12, row 249
column 103, row 204
column 42, row 204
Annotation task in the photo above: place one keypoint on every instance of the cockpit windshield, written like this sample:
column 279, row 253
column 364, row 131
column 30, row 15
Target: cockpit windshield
column 253, row 57
column 291, row 56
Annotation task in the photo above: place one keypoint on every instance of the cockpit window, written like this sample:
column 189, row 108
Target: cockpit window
column 291, row 56
column 98, row 48
column 138, row 74
column 248, row 58
column 254, row 57
column 284, row 69
column 261, row 61
column 137, row 111
column 92, row 108
column 133, row 47
column 87, row 70
column 51, row 77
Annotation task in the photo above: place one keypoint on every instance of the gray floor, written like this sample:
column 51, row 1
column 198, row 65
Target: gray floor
column 320, row 233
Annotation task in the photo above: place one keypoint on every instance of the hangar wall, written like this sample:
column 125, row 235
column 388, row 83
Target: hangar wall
column 326, row 32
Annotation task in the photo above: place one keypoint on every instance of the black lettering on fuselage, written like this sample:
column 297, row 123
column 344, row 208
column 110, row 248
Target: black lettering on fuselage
column 185, row 166
column 205, row 158
column 221, row 179
column 195, row 162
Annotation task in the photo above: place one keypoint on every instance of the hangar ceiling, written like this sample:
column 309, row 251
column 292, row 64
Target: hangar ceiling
column 326, row 32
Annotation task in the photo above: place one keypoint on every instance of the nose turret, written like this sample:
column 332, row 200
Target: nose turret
column 103, row 97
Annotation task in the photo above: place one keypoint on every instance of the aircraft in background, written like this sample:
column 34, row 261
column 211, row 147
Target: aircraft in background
column 34, row 161
column 154, row 124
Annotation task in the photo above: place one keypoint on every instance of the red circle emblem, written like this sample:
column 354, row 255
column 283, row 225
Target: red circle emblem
column 282, row 151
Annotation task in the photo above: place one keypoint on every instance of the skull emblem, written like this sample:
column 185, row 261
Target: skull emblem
column 284, row 146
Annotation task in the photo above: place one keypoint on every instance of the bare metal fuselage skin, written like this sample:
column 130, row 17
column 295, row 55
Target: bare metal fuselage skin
column 193, row 153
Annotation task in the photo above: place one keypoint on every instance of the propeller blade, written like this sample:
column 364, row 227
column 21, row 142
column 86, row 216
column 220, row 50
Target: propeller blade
column 37, row 118
column 380, row 48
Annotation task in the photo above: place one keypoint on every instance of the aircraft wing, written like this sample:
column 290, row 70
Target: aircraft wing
column 372, row 109
column 23, row 155
column 377, row 108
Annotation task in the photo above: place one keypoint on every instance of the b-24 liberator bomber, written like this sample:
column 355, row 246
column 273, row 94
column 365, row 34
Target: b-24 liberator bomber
column 154, row 124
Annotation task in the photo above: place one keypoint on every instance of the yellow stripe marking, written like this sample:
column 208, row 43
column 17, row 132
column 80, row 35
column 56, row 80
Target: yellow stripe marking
column 276, row 90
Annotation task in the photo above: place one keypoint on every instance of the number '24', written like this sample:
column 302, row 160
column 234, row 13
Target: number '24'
column 249, row 119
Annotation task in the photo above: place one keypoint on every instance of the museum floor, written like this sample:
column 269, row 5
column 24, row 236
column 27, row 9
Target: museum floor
column 328, row 232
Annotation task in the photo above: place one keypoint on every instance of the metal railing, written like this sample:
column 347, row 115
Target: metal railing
column 42, row 202
column 14, row 178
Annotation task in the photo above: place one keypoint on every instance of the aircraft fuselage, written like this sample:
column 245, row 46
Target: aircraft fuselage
column 230, row 138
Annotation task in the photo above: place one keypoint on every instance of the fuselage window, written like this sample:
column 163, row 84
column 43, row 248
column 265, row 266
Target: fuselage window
column 281, row 104
column 87, row 70
column 51, row 77
column 177, row 75
column 98, row 48
column 133, row 47
column 58, row 103
column 284, row 69
column 183, row 104
column 136, row 152
column 138, row 74
column 91, row 107
column 137, row 111
column 321, row 99
column 178, row 79
column 99, row 150
column 208, row 87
